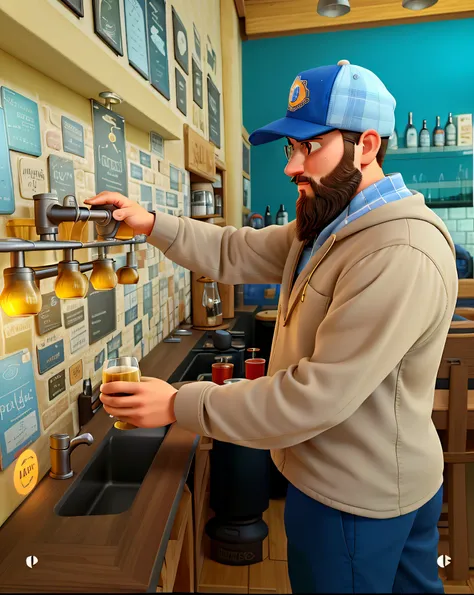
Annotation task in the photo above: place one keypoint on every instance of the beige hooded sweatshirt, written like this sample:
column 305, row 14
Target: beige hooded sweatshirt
column 346, row 406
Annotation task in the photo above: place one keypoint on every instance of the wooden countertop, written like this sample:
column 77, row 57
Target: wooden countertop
column 108, row 553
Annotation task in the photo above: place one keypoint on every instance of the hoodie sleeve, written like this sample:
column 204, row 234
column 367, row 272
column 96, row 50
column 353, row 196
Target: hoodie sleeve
column 225, row 254
column 369, row 327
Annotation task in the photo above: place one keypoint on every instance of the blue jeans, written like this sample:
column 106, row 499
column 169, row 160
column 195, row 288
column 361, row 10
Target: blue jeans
column 330, row 551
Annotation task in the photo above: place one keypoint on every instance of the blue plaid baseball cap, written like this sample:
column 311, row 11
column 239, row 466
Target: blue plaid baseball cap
column 340, row 97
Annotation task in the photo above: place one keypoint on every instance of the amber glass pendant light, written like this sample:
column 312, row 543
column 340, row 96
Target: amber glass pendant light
column 103, row 276
column 128, row 275
column 71, row 283
column 21, row 296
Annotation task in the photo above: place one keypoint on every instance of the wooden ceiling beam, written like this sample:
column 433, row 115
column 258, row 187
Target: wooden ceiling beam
column 240, row 7
column 274, row 18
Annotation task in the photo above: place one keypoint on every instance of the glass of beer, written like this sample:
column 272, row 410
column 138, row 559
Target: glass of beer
column 121, row 369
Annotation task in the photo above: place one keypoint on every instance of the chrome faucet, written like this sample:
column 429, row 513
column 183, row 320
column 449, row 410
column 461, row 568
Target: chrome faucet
column 60, row 449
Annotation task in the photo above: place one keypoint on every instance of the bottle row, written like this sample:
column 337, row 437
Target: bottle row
column 281, row 216
column 439, row 137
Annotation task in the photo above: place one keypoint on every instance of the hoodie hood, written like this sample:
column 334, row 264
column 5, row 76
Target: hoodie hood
column 411, row 207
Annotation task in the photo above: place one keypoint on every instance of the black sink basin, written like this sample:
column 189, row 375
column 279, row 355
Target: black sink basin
column 110, row 481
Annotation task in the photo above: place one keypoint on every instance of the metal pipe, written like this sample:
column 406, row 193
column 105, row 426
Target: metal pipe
column 17, row 260
column 18, row 245
column 68, row 254
column 47, row 272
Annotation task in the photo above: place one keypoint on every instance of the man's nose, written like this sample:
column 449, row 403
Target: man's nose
column 295, row 166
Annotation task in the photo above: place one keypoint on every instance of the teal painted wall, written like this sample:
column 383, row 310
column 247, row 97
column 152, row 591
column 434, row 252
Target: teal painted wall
column 428, row 67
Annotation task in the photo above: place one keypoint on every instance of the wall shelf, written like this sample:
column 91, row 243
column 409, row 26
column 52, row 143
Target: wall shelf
column 430, row 153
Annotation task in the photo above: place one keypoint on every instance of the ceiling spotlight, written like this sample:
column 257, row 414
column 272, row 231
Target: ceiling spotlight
column 418, row 4
column 333, row 8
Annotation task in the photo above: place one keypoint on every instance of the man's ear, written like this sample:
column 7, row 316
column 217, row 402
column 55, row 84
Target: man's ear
column 369, row 145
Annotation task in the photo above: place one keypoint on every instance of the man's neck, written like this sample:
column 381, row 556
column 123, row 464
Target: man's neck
column 370, row 175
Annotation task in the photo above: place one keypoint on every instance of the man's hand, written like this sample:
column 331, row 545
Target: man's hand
column 148, row 404
column 134, row 215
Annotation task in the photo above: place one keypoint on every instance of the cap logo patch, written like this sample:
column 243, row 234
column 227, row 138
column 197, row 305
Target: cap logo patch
column 299, row 94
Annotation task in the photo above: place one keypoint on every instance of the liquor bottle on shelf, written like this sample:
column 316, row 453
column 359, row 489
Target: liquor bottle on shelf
column 282, row 216
column 450, row 132
column 393, row 141
column 268, row 217
column 424, row 136
column 438, row 134
column 411, row 135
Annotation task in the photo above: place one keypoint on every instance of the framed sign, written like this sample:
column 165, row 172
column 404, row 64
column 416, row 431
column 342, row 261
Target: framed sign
column 49, row 318
column 175, row 178
column 214, row 107
column 197, row 43
column 158, row 46
column 77, row 6
column 131, row 303
column 197, row 84
column 160, row 197
column 73, row 137
column 57, row 384
column 181, row 92
column 137, row 333
column 74, row 317
column 157, row 145
column 51, row 356
column 108, row 24
column 19, row 422
column 113, row 346
column 135, row 26
column 145, row 159
column 23, row 123
column 211, row 56
column 102, row 314
column 180, row 42
column 7, row 196
column 61, row 176
column 148, row 299
column 99, row 360
column 109, row 150
column 136, row 172
column 172, row 200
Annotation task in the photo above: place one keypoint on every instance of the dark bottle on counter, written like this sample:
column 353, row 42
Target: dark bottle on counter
column 282, row 216
column 268, row 217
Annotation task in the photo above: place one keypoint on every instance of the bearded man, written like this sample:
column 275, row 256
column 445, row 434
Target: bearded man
column 368, row 289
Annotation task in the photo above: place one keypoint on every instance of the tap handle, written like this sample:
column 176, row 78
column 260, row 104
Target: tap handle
column 59, row 441
column 108, row 229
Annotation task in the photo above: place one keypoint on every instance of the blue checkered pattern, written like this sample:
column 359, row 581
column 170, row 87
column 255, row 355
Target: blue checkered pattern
column 387, row 190
column 342, row 96
column 360, row 101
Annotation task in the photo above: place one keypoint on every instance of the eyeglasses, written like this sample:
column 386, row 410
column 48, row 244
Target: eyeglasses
column 306, row 146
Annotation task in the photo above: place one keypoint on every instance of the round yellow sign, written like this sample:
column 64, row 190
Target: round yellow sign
column 26, row 472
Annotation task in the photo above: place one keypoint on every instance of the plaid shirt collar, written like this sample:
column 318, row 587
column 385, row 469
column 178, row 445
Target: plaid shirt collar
column 386, row 190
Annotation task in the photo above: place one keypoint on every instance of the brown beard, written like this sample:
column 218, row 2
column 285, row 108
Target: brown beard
column 331, row 197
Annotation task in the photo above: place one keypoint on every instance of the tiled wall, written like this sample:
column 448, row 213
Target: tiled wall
column 169, row 283
column 460, row 223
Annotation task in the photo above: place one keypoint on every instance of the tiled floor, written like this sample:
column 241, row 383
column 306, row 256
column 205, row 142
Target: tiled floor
column 271, row 575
